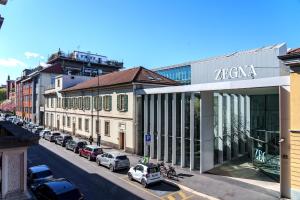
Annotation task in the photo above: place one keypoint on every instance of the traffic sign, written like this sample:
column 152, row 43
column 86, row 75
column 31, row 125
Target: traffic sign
column 148, row 138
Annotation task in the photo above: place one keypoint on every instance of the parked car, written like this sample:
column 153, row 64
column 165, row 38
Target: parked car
column 30, row 126
column 52, row 135
column 114, row 161
column 10, row 118
column 37, row 175
column 58, row 189
column 44, row 132
column 63, row 139
column 75, row 145
column 37, row 130
column 90, row 152
column 20, row 122
column 145, row 174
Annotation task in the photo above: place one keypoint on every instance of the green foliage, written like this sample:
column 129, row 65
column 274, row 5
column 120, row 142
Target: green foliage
column 2, row 94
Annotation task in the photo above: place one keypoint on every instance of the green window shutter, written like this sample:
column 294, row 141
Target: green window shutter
column 100, row 103
column 119, row 102
column 88, row 103
column 83, row 103
column 126, row 103
column 95, row 102
column 110, row 102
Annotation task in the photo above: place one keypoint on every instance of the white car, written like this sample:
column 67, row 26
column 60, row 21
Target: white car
column 145, row 174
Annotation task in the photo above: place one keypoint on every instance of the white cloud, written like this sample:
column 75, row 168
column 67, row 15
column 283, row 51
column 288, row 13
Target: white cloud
column 11, row 62
column 30, row 55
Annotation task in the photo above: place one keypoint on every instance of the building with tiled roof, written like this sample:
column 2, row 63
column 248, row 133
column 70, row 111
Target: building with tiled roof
column 102, row 107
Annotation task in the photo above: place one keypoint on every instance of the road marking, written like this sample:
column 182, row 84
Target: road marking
column 167, row 195
column 193, row 191
column 188, row 197
column 140, row 188
column 181, row 194
column 171, row 197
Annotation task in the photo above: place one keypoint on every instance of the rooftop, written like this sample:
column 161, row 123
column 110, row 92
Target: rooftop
column 275, row 46
column 133, row 75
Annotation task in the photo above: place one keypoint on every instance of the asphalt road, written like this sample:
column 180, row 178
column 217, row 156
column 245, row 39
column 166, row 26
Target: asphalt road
column 98, row 182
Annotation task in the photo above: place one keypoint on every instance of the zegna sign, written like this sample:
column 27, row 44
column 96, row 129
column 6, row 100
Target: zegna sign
column 235, row 72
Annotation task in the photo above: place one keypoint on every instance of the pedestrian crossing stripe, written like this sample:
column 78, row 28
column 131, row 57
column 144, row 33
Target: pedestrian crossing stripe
column 181, row 194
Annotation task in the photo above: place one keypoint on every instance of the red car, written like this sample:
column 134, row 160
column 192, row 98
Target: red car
column 90, row 152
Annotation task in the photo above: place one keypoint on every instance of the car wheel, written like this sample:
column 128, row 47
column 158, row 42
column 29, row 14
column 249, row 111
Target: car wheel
column 74, row 150
column 111, row 168
column 144, row 183
column 130, row 176
column 98, row 162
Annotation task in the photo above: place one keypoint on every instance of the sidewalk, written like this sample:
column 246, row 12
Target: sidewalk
column 214, row 186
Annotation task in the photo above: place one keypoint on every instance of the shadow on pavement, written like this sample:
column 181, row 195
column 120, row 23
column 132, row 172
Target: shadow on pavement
column 91, row 185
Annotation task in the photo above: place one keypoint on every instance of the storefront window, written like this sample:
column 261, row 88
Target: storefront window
column 170, row 117
column 187, row 129
column 178, row 129
column 197, row 131
column 162, row 126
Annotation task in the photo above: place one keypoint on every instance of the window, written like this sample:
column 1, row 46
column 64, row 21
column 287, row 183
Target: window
column 107, row 103
column 46, row 121
column 71, row 102
column 68, row 121
column 97, row 126
column 122, row 104
column 58, row 83
column 75, row 103
column 106, row 128
column 59, row 102
column 79, row 123
column 97, row 102
column 86, row 125
column 64, row 120
column 47, row 105
column 80, row 103
column 86, row 103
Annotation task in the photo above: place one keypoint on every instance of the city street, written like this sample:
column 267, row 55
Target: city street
column 98, row 182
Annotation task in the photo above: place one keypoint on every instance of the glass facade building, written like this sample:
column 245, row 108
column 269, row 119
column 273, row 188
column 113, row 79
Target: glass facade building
column 243, row 125
column 181, row 74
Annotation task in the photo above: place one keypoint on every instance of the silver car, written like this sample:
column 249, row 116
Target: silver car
column 114, row 161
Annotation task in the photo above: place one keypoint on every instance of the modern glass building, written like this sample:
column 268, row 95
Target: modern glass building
column 181, row 73
column 236, row 107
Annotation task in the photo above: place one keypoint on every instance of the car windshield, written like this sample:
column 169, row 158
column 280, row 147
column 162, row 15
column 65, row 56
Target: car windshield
column 56, row 134
column 42, row 174
column 97, row 150
column 121, row 157
column 151, row 170
column 81, row 144
column 73, row 194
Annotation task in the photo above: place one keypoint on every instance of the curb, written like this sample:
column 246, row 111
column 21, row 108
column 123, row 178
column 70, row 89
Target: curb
column 191, row 190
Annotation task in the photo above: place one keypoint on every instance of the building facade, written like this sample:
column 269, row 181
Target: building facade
column 103, row 107
column 31, row 86
column 180, row 73
column 234, row 108
column 292, row 59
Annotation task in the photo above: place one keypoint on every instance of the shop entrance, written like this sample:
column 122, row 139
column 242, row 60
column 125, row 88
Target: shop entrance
column 247, row 136
column 122, row 140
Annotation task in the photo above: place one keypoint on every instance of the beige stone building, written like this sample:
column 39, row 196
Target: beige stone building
column 103, row 106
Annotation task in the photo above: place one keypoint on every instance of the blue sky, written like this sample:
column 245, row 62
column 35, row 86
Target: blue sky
column 151, row 33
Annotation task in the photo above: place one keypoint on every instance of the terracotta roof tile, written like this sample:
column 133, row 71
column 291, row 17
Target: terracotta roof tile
column 137, row 75
column 294, row 51
column 56, row 69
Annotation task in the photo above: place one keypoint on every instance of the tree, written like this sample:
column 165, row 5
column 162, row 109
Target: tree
column 2, row 94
